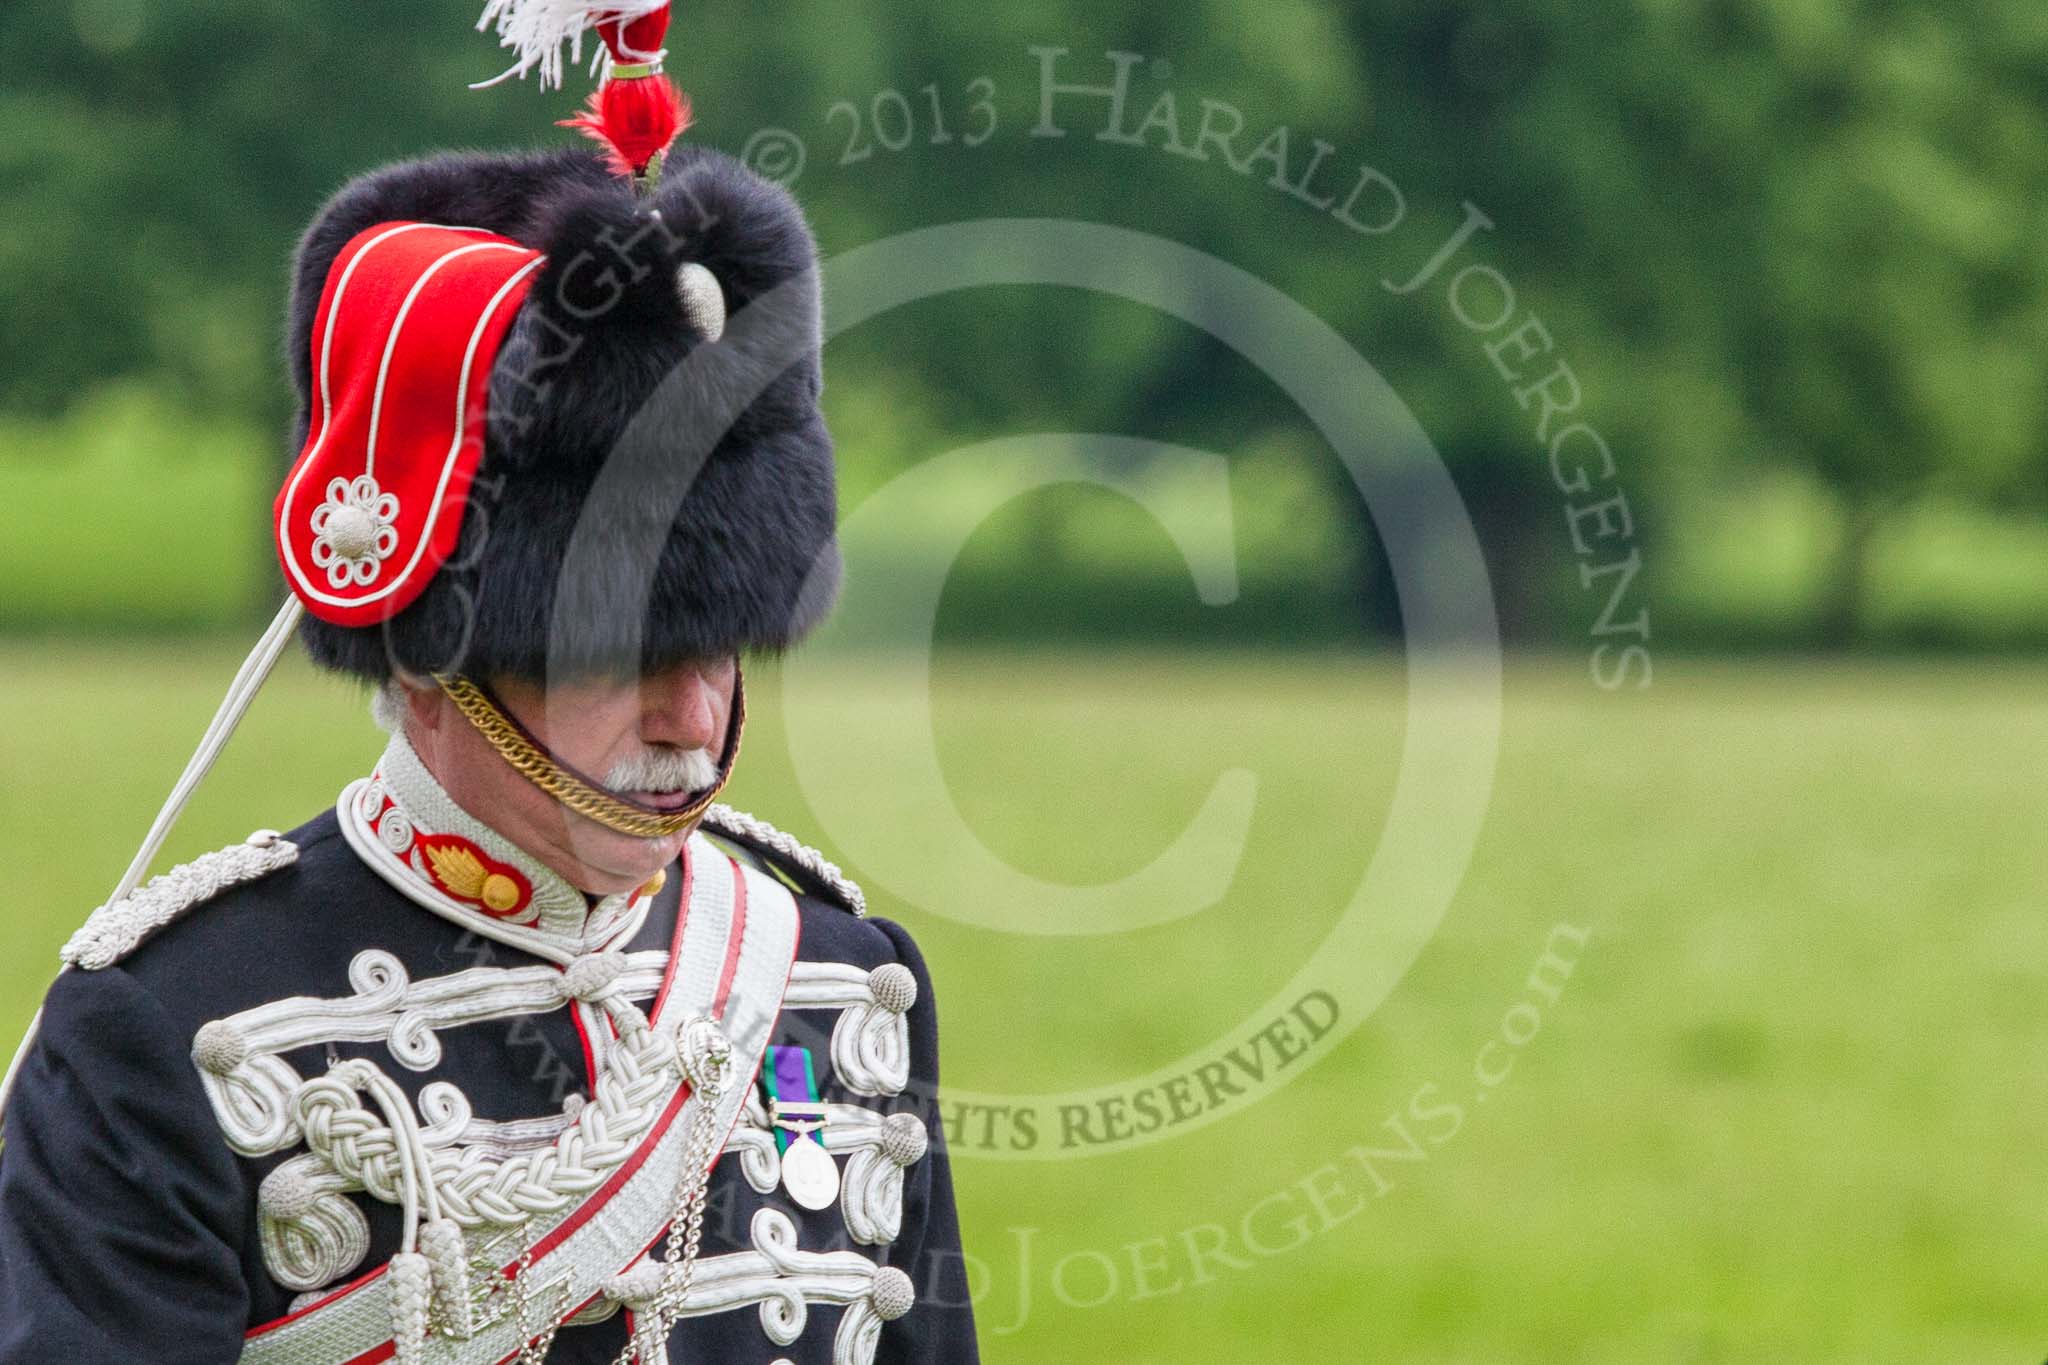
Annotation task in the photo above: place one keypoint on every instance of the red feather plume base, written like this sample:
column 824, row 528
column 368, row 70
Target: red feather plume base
column 635, row 120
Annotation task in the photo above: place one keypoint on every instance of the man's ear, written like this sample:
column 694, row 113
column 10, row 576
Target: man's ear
column 426, row 709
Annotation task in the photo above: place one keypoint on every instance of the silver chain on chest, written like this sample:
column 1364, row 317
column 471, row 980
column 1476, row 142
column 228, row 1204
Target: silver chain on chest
column 707, row 1061
column 532, row 1349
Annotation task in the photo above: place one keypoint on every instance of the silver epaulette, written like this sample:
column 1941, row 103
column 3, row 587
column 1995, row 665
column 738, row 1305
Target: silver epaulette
column 117, row 928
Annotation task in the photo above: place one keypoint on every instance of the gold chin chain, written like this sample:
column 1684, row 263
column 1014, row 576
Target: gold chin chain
column 533, row 762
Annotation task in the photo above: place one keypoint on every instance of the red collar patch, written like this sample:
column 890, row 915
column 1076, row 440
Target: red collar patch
column 472, row 876
column 408, row 328
column 461, row 868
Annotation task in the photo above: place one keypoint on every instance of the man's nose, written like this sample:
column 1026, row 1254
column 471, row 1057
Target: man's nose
column 681, row 706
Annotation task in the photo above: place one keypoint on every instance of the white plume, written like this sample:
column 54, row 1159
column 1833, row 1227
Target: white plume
column 538, row 30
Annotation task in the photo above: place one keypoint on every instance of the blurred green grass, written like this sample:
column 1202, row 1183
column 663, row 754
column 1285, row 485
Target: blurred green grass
column 1787, row 1107
column 131, row 513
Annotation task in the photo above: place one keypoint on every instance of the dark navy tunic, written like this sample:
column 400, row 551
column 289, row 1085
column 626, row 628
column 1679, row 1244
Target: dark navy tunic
column 128, row 1227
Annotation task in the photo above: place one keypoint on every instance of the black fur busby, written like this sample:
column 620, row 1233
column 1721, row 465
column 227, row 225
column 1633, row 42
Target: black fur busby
column 647, row 495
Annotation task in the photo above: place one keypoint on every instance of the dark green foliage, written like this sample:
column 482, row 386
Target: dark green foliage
column 1768, row 236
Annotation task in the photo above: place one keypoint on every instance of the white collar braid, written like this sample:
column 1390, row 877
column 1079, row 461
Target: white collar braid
column 406, row 827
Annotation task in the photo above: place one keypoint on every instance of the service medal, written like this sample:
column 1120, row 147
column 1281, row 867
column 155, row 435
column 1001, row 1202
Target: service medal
column 810, row 1174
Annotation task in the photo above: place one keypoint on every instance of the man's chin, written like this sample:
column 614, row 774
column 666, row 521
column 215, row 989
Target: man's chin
column 619, row 862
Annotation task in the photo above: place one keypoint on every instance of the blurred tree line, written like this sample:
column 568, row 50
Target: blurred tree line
column 1780, row 243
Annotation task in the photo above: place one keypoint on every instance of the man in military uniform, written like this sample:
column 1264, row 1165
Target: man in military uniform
column 526, row 1050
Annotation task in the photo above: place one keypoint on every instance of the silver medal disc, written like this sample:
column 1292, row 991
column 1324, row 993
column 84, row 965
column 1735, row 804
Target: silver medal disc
column 810, row 1174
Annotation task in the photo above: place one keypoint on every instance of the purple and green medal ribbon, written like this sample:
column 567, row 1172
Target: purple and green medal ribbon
column 790, row 1082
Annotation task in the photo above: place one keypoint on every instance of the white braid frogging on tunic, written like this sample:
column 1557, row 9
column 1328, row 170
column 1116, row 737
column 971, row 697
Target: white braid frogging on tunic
column 252, row 1088
column 785, row 1280
column 313, row 1235
column 639, row 1074
column 871, row 1041
column 574, row 1249
column 478, row 1190
column 472, row 1191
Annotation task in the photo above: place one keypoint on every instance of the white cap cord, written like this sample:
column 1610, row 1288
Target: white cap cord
column 241, row 692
